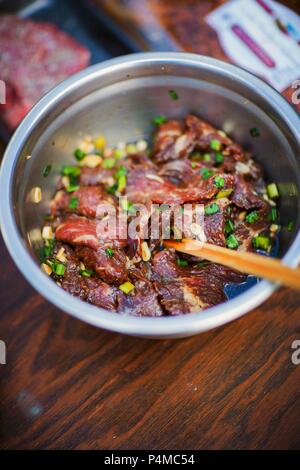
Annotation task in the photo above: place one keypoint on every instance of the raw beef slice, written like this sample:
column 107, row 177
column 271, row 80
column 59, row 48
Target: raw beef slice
column 34, row 57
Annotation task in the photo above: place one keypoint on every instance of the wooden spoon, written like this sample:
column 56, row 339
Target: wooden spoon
column 249, row 263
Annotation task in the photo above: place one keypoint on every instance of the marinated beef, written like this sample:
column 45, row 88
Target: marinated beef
column 34, row 57
column 87, row 201
column 191, row 162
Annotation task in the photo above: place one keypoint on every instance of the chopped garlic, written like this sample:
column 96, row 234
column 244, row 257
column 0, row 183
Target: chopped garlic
column 36, row 195
column 82, row 266
column 228, row 126
column 242, row 215
column 146, row 253
column 46, row 269
column 47, row 232
column 65, row 181
column 242, row 168
column 91, row 161
column 141, row 145
column 34, row 236
column 121, row 145
column 222, row 134
column 266, row 198
column 61, row 255
column 109, row 181
column 108, row 152
column 274, row 228
column 86, row 147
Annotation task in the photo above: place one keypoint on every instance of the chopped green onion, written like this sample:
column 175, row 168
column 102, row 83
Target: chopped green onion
column 194, row 165
column 261, row 242
column 47, row 170
column 73, row 203
column 252, row 217
column 219, row 181
column 40, row 254
column 122, row 170
column 58, row 269
column 173, row 94
column 86, row 272
column 47, row 250
column 79, row 154
column 182, row 262
column 72, row 171
column 112, row 189
column 119, row 153
column 206, row 157
column 212, row 209
column 219, row 158
column 49, row 247
column 50, row 262
column 206, row 173
column 131, row 149
column 290, row 226
column 232, row 242
column 108, row 163
column 121, row 183
column 109, row 252
column 229, row 227
column 157, row 120
column 126, row 287
column 274, row 214
column 72, row 188
column 224, row 193
column 254, row 132
column 215, row 145
column 202, row 264
column 272, row 191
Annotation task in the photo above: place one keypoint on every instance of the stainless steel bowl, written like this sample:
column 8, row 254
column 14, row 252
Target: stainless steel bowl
column 119, row 98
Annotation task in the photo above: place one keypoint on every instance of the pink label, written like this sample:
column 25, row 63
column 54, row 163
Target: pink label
column 262, row 36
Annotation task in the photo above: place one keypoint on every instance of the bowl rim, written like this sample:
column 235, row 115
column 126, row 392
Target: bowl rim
column 155, row 327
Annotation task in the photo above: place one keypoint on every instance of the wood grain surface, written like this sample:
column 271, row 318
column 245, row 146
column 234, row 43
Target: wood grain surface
column 67, row 385
column 177, row 25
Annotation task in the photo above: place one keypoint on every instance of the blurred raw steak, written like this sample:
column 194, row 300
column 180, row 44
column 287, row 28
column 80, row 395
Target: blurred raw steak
column 34, row 57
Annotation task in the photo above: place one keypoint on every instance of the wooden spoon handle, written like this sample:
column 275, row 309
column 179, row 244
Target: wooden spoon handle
column 249, row 263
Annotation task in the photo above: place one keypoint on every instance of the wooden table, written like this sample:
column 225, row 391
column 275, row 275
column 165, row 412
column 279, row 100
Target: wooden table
column 68, row 385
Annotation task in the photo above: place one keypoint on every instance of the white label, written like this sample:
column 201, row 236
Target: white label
column 261, row 36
